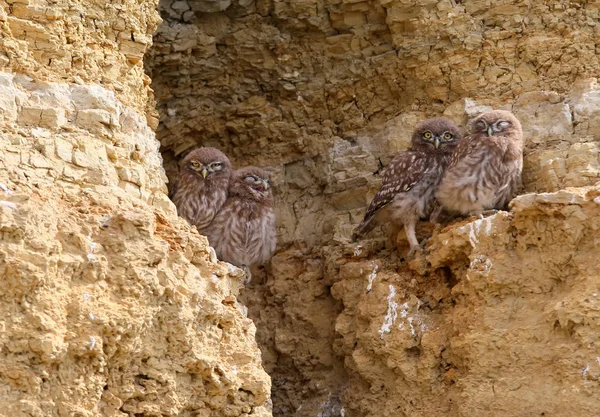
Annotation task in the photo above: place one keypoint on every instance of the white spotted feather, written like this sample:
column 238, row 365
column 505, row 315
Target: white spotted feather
column 409, row 183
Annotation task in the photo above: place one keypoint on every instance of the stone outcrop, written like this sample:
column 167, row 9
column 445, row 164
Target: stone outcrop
column 501, row 314
column 324, row 93
column 113, row 306
column 110, row 304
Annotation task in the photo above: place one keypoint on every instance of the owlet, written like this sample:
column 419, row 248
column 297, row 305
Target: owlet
column 410, row 181
column 485, row 170
column 201, row 187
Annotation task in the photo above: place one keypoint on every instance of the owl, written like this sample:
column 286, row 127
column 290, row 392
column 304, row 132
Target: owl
column 485, row 170
column 201, row 187
column 243, row 231
column 410, row 181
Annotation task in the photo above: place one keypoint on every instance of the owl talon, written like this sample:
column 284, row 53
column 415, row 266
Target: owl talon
column 412, row 251
column 481, row 214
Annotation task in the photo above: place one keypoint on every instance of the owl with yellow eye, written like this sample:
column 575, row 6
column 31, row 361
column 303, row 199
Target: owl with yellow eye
column 407, row 193
column 201, row 187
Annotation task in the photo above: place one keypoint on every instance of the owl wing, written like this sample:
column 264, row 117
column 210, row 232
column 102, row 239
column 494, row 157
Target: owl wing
column 173, row 190
column 403, row 173
column 263, row 241
column 464, row 148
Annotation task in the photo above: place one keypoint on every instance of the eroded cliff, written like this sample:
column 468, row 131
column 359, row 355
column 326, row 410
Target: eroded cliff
column 113, row 306
column 499, row 318
column 110, row 305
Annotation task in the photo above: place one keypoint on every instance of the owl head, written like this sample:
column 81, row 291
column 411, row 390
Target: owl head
column 206, row 164
column 436, row 135
column 496, row 123
column 251, row 183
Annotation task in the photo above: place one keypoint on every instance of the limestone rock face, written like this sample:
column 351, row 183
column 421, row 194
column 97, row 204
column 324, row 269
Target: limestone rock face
column 110, row 304
column 324, row 93
column 494, row 304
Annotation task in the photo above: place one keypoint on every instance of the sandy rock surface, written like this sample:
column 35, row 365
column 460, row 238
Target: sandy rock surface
column 324, row 93
column 110, row 304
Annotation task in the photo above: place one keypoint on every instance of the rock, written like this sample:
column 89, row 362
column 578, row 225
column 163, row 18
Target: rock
column 543, row 114
column 465, row 109
column 585, row 101
column 327, row 93
column 102, row 281
column 99, row 277
column 210, row 6
column 10, row 97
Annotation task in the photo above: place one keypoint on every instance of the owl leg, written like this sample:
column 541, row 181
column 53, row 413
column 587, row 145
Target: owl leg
column 409, row 228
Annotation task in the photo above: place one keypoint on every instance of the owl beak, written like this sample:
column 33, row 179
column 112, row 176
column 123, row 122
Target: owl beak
column 490, row 131
column 436, row 142
column 204, row 172
column 265, row 185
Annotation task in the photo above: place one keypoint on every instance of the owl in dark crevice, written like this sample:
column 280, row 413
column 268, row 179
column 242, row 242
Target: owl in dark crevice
column 243, row 232
column 201, row 186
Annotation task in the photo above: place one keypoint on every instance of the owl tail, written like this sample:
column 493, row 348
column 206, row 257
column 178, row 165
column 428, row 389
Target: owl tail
column 362, row 229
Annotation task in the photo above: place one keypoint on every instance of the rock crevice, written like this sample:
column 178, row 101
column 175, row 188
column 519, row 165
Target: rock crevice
column 110, row 304
column 324, row 93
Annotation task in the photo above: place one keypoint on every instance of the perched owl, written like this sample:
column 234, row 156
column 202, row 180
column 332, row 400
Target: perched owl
column 243, row 231
column 201, row 187
column 485, row 171
column 409, row 182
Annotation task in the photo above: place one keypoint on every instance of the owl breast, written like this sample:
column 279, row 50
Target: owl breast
column 243, row 233
column 198, row 204
column 420, row 200
column 479, row 182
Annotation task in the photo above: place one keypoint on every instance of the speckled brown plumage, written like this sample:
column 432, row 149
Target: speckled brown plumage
column 409, row 182
column 485, row 170
column 201, row 187
column 243, row 231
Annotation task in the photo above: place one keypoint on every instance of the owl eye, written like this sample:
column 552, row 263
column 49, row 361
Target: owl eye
column 216, row 165
column 195, row 164
column 427, row 135
column 448, row 136
column 503, row 124
column 480, row 124
column 250, row 179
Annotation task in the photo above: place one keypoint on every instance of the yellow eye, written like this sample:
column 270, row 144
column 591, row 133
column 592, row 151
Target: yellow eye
column 447, row 136
column 427, row 135
column 195, row 164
